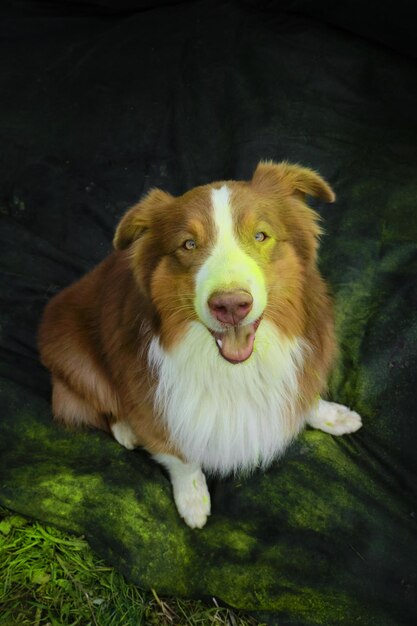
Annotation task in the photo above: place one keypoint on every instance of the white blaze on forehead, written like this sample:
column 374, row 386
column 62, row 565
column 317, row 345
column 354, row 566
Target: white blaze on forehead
column 220, row 199
column 228, row 266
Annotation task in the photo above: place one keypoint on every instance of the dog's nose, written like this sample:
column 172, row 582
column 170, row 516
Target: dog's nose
column 230, row 307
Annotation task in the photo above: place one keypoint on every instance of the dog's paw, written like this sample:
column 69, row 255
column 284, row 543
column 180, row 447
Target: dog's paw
column 124, row 435
column 192, row 498
column 190, row 489
column 334, row 418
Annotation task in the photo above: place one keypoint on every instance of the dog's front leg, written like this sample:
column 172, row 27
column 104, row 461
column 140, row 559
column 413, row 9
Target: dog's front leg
column 333, row 418
column 190, row 489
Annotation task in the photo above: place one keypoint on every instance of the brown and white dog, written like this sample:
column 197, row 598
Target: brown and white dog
column 207, row 336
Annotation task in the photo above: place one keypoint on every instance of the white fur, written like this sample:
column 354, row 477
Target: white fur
column 228, row 266
column 228, row 417
column 124, row 435
column 190, row 489
column 333, row 418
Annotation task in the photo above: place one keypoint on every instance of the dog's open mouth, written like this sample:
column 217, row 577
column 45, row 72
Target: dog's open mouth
column 236, row 343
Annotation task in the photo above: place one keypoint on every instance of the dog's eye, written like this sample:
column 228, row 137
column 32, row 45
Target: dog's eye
column 261, row 236
column 190, row 244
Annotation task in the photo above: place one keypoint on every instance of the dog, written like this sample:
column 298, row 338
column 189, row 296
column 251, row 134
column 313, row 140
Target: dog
column 207, row 336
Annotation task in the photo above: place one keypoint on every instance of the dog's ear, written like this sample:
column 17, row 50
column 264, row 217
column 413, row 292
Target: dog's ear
column 287, row 179
column 283, row 181
column 137, row 220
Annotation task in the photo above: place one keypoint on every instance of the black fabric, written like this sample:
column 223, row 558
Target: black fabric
column 390, row 23
column 98, row 108
column 83, row 7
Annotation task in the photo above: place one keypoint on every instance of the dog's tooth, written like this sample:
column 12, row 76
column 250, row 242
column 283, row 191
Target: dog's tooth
column 219, row 342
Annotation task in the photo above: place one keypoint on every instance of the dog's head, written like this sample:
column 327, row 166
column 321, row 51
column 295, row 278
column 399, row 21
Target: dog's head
column 227, row 254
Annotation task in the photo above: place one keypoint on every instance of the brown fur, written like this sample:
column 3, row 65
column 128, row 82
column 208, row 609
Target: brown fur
column 94, row 335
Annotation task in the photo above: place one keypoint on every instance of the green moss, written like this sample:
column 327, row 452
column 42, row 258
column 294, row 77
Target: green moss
column 66, row 492
column 354, row 305
column 245, row 585
column 240, row 542
column 399, row 219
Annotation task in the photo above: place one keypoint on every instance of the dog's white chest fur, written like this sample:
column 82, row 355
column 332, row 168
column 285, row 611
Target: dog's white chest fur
column 228, row 417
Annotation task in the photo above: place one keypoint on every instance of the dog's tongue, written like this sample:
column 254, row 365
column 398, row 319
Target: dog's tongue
column 236, row 343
